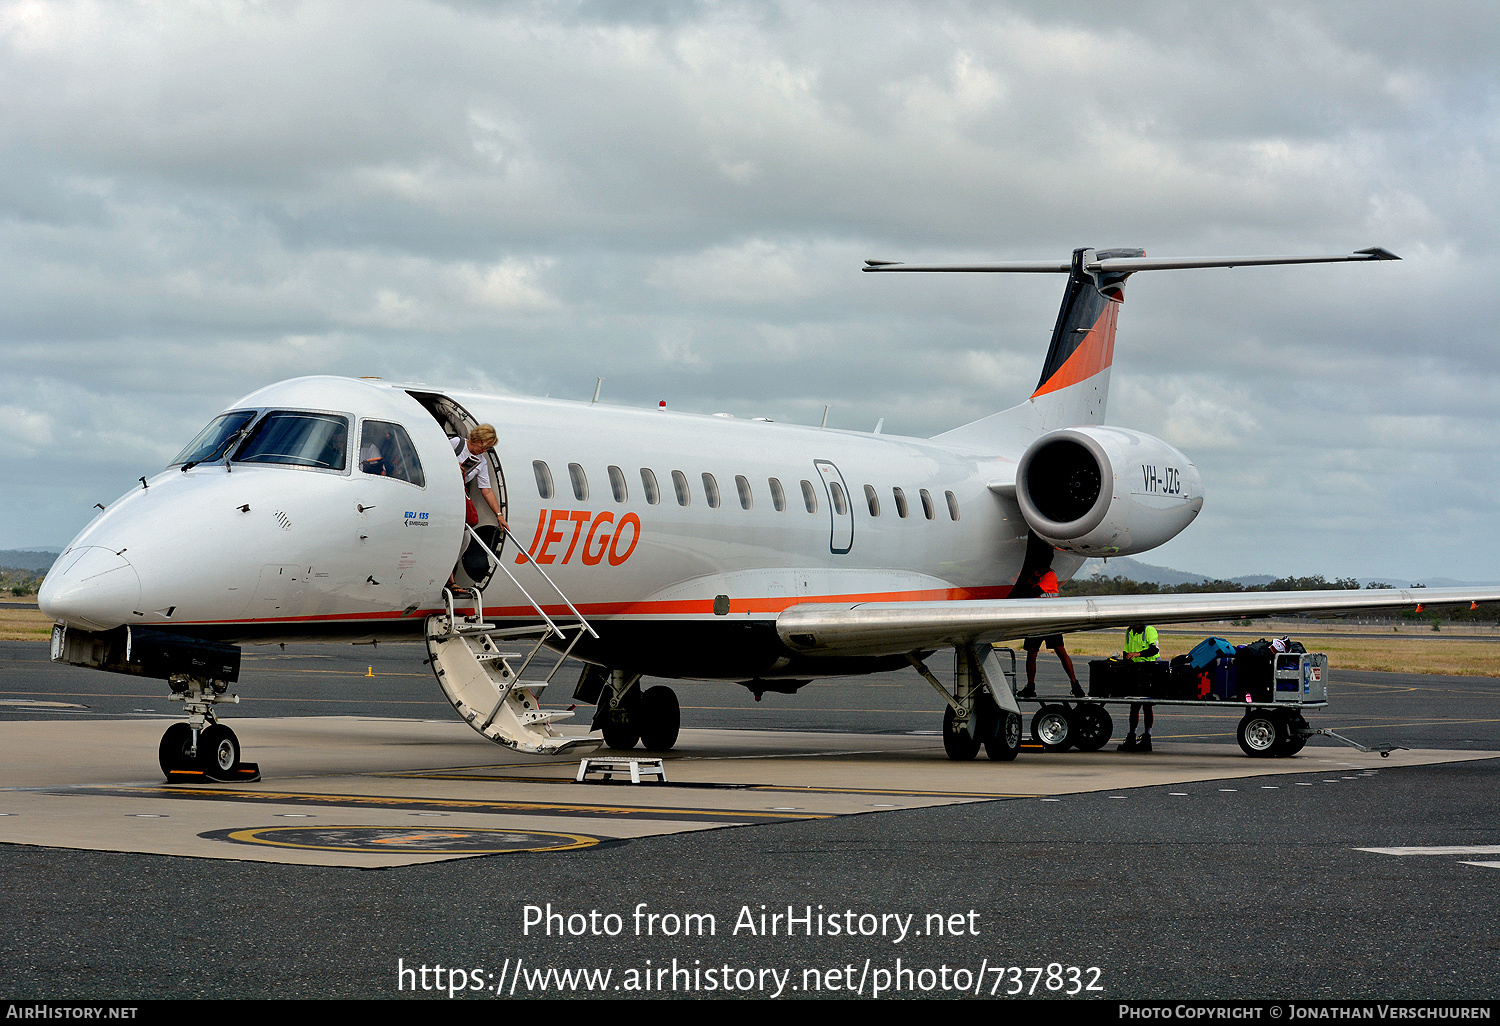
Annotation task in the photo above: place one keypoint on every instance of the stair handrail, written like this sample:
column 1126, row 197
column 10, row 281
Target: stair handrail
column 534, row 604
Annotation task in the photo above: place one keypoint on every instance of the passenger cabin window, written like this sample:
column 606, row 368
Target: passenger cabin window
column 840, row 504
column 385, row 450
column 214, row 439
column 809, row 497
column 742, row 484
column 926, row 504
column 543, row 478
column 580, row 482
column 711, row 491
column 680, row 485
column 872, row 500
column 319, row 440
column 648, row 482
column 617, row 484
column 952, row 505
column 778, row 497
column 900, row 498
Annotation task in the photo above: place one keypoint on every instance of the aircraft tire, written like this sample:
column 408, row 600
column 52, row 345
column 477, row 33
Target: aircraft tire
column 660, row 718
column 1006, row 743
column 620, row 736
column 172, row 753
column 1261, row 734
column 960, row 744
column 622, row 727
column 1053, row 728
column 1092, row 727
column 218, row 749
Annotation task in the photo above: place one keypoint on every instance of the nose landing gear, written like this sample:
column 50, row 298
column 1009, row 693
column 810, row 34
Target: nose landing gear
column 202, row 748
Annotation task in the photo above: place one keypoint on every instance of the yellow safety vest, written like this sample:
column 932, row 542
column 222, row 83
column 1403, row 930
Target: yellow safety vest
column 1135, row 643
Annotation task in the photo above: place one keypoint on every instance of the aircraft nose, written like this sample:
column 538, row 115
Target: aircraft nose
column 92, row 588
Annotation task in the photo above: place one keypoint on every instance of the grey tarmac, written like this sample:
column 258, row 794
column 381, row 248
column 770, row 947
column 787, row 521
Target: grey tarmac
column 1189, row 873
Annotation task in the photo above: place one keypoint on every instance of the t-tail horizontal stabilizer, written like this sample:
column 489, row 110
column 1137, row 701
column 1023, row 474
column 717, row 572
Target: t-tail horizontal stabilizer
column 1074, row 385
column 1104, row 262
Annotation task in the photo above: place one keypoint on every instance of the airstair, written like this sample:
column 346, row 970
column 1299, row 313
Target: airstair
column 486, row 687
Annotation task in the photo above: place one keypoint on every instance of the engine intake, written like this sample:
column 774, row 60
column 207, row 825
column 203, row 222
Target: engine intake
column 1101, row 491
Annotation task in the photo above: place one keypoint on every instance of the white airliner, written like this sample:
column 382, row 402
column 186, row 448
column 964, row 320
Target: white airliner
column 643, row 542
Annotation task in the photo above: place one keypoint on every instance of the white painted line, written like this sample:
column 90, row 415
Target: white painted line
column 1451, row 849
column 1482, row 865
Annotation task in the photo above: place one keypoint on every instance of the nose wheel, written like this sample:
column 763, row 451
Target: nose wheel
column 202, row 748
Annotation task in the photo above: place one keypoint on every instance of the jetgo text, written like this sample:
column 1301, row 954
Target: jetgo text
column 593, row 537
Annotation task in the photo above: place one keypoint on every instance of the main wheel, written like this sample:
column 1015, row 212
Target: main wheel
column 1092, row 727
column 1006, row 742
column 1261, row 734
column 959, row 742
column 175, row 750
column 1053, row 728
column 621, row 726
column 219, row 749
column 660, row 718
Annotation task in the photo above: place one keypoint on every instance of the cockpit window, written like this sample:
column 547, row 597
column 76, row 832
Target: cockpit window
column 385, row 450
column 299, row 439
column 211, row 441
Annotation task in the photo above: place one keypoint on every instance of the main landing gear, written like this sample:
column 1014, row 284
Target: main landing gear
column 202, row 748
column 626, row 714
column 976, row 714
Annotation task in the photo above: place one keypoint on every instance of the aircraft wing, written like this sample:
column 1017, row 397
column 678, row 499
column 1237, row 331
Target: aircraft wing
column 896, row 628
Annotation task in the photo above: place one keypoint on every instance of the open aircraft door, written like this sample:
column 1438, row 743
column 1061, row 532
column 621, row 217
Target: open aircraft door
column 475, row 567
column 840, row 507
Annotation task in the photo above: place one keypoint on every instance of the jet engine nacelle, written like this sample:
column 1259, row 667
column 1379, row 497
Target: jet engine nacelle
column 1103, row 491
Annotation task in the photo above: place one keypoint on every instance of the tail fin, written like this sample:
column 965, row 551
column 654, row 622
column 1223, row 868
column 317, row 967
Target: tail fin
column 1075, row 379
column 1074, row 386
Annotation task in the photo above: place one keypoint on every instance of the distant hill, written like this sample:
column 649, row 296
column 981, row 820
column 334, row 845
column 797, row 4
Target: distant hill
column 1135, row 570
column 38, row 560
column 1146, row 573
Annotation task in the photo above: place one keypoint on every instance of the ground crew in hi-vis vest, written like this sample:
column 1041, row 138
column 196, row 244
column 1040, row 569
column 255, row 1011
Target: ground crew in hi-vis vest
column 1140, row 647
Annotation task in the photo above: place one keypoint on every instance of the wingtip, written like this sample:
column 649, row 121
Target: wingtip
column 1377, row 253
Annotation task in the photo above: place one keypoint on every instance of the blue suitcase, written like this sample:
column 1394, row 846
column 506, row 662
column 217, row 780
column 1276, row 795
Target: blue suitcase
column 1207, row 650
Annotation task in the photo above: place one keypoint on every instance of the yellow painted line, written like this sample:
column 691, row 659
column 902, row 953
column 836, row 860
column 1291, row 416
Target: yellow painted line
column 883, row 791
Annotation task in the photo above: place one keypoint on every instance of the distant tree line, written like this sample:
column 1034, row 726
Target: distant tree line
column 19, row 582
column 1124, row 586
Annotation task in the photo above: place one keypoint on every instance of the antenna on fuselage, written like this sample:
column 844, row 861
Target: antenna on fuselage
column 825, row 417
column 597, row 385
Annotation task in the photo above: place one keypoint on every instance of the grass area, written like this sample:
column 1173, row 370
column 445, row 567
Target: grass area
column 24, row 624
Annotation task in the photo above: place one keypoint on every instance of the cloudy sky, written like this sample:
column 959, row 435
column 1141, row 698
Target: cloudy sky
column 201, row 198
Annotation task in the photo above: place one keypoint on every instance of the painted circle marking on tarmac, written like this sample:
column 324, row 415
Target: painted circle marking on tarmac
column 404, row 840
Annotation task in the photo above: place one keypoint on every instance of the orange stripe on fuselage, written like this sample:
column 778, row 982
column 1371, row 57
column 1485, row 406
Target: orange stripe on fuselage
column 647, row 608
column 1094, row 353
